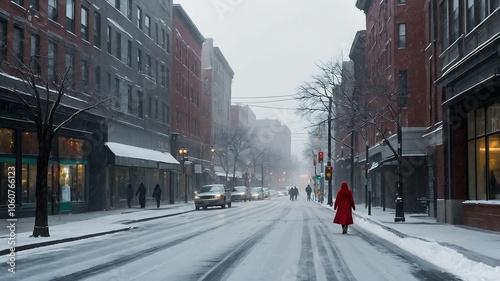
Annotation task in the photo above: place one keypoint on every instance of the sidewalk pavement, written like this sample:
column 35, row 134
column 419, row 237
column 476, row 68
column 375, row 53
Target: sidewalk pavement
column 475, row 244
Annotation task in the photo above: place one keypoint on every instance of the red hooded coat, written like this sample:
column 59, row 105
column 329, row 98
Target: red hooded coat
column 343, row 204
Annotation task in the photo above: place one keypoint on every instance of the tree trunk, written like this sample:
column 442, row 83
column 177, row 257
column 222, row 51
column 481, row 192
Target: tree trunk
column 41, row 217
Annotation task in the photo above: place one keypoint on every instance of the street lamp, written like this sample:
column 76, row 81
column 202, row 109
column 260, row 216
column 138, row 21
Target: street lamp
column 183, row 153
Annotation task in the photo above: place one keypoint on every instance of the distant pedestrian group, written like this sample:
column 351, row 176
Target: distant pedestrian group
column 141, row 192
column 293, row 192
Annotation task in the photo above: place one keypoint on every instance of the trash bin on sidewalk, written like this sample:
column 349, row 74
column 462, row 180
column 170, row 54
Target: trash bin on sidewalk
column 400, row 211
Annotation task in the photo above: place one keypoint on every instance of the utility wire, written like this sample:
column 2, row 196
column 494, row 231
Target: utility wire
column 263, row 97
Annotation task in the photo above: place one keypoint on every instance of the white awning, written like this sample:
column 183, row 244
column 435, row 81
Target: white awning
column 128, row 155
column 373, row 166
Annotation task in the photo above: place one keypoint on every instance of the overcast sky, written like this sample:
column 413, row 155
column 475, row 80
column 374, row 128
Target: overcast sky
column 273, row 47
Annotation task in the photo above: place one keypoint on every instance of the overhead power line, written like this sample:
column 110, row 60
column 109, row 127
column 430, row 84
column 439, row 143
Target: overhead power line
column 263, row 97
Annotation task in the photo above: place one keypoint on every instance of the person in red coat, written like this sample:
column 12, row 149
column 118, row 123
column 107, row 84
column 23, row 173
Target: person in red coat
column 344, row 205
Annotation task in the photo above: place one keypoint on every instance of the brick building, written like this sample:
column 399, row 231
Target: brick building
column 111, row 50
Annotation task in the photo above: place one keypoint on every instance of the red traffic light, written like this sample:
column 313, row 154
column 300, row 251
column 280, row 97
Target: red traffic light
column 320, row 156
column 328, row 172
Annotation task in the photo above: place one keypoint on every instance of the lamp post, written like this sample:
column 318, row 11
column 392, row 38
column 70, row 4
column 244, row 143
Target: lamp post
column 400, row 213
column 183, row 153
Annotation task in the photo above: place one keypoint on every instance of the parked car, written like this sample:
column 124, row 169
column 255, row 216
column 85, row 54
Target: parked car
column 267, row 193
column 240, row 193
column 283, row 191
column 257, row 193
column 212, row 195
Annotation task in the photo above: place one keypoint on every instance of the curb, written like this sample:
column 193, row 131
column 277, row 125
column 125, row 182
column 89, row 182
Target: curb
column 70, row 239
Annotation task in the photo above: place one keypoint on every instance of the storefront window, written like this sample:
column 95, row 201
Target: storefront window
column 472, row 169
column 6, row 141
column 494, row 166
column 121, row 181
column 481, row 169
column 484, row 153
column 30, row 143
column 72, row 181
column 493, row 121
column 471, row 133
column 73, row 148
column 480, row 122
column 28, row 183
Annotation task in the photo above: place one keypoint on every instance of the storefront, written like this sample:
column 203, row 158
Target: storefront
column 127, row 164
column 67, row 176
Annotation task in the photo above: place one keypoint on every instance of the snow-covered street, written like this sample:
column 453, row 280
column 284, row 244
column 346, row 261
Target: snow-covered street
column 273, row 239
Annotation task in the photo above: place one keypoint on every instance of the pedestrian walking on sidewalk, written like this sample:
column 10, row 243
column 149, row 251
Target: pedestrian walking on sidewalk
column 130, row 195
column 157, row 195
column 295, row 193
column 308, row 191
column 142, row 195
column 344, row 205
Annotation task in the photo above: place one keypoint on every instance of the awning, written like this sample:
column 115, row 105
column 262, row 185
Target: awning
column 373, row 166
column 133, row 156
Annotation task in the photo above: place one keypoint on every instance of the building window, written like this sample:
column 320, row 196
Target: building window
column 3, row 40
column 147, row 24
column 52, row 10
column 140, row 104
column 52, row 61
column 85, row 76
column 163, row 112
column 139, row 60
column 85, row 24
column 167, row 78
column 477, row 10
column 130, row 105
column 70, row 64
column 108, row 80
column 402, row 35
column 97, row 78
column 129, row 53
column 139, row 18
column 168, row 43
column 18, row 2
column 108, row 36
column 157, row 38
column 401, row 1
column 97, row 29
column 129, row 9
column 163, row 38
column 162, row 75
column 117, row 93
column 34, row 5
column 483, row 153
column 118, row 4
column 35, row 53
column 156, row 109
column 118, row 45
column 403, row 88
column 150, row 107
column 148, row 65
column 157, row 70
column 70, row 15
column 18, row 45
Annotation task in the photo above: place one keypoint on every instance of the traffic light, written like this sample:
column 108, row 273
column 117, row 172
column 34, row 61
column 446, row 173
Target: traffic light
column 318, row 177
column 328, row 173
column 320, row 156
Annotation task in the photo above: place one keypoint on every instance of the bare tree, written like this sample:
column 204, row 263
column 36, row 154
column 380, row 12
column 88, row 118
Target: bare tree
column 42, row 100
column 358, row 106
column 236, row 143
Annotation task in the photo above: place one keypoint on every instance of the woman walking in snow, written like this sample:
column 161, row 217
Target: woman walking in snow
column 344, row 205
